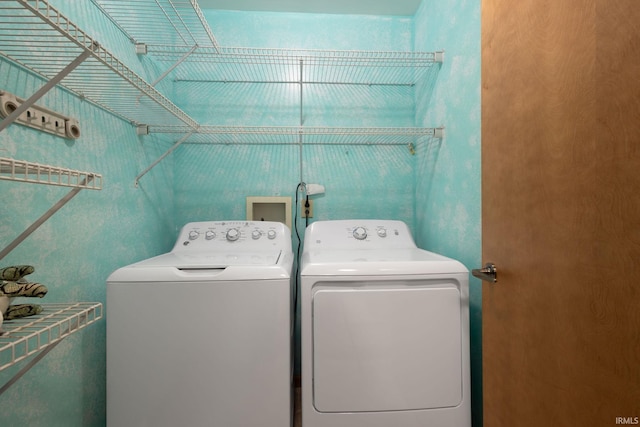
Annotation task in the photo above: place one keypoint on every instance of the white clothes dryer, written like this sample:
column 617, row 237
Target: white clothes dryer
column 385, row 329
column 201, row 336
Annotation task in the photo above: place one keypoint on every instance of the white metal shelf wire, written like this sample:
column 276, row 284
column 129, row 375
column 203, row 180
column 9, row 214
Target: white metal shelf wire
column 20, row 170
column 306, row 135
column 38, row 37
column 26, row 336
column 184, row 28
column 178, row 23
column 254, row 65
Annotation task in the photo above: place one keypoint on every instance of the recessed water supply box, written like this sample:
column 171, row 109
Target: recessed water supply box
column 269, row 208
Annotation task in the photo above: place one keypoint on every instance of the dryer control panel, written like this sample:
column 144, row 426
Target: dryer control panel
column 358, row 234
column 225, row 235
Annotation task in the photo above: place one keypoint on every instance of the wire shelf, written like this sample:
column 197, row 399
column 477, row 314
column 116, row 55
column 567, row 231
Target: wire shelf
column 38, row 37
column 184, row 28
column 19, row 170
column 306, row 135
column 257, row 65
column 28, row 335
column 181, row 21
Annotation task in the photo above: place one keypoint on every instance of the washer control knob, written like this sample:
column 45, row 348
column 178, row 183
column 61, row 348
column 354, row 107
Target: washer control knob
column 360, row 233
column 382, row 232
column 256, row 234
column 271, row 234
column 193, row 235
column 210, row 235
column 233, row 234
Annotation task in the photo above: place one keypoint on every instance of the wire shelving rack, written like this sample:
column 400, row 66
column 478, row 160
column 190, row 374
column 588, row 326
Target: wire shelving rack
column 294, row 135
column 38, row 37
column 23, row 171
column 171, row 23
column 29, row 335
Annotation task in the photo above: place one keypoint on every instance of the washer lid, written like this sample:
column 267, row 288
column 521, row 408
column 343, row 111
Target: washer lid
column 207, row 266
column 210, row 260
column 378, row 262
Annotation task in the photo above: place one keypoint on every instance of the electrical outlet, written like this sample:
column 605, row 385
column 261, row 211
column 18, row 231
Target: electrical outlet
column 306, row 211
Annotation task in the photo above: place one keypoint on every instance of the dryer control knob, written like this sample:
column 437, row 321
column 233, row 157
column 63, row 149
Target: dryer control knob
column 360, row 233
column 233, row 234
column 193, row 235
column 210, row 235
column 271, row 234
column 382, row 232
column 256, row 234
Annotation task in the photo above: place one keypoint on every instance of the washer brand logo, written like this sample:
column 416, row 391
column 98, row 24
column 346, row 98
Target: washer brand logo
column 627, row 420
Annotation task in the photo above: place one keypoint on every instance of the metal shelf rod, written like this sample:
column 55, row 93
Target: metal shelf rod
column 169, row 151
column 301, row 82
column 48, row 214
column 292, row 82
column 178, row 62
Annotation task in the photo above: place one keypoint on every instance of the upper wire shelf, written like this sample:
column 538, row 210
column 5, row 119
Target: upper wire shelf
column 38, row 37
column 20, row 170
column 178, row 23
column 290, row 135
column 186, row 39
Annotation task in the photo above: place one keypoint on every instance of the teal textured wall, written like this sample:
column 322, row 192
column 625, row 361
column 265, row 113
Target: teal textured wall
column 436, row 191
column 361, row 182
column 448, row 173
column 96, row 232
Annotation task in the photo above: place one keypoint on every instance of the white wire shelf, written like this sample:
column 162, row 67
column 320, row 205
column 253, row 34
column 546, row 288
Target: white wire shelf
column 186, row 39
column 181, row 22
column 28, row 335
column 306, row 135
column 23, row 171
column 39, row 38
column 255, row 65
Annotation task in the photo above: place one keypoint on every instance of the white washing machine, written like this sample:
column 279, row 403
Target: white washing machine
column 201, row 336
column 385, row 329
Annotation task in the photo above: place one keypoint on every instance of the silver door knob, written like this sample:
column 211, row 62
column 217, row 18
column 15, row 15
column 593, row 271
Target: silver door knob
column 488, row 273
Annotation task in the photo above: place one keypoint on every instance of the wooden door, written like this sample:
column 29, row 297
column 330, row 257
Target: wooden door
column 561, row 212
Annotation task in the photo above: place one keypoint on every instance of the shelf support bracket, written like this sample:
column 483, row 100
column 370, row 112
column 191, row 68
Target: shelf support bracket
column 173, row 67
column 30, row 365
column 47, row 87
column 169, row 151
column 48, row 214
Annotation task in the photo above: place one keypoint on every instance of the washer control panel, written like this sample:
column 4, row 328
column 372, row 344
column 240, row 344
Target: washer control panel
column 358, row 234
column 225, row 235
